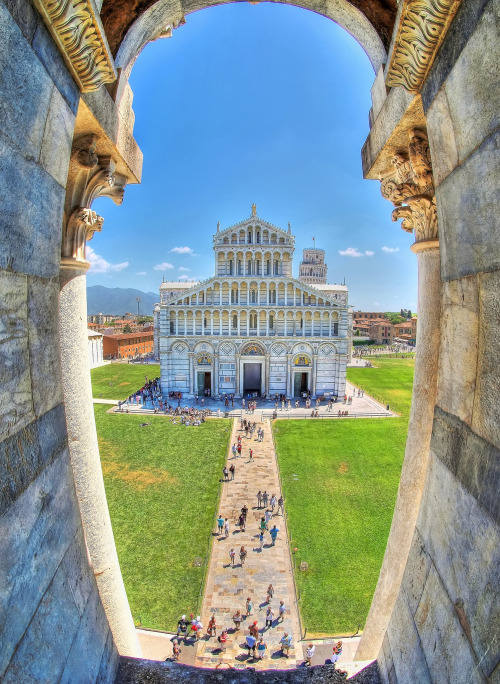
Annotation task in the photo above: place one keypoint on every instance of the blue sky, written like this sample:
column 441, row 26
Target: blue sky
column 249, row 103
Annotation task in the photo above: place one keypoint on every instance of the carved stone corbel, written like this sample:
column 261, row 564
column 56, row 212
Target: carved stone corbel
column 410, row 187
column 90, row 176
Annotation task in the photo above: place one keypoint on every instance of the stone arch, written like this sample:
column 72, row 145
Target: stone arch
column 253, row 348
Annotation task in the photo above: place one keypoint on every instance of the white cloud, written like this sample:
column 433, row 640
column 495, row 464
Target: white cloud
column 188, row 279
column 182, row 250
column 390, row 250
column 354, row 252
column 141, row 273
column 163, row 267
column 99, row 265
column 181, row 268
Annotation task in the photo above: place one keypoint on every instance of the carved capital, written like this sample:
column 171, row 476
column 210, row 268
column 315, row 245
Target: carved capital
column 422, row 28
column 90, row 176
column 76, row 28
column 410, row 187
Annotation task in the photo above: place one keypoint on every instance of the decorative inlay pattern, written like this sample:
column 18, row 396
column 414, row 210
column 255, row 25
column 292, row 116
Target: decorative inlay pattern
column 76, row 27
column 179, row 347
column 278, row 350
column 326, row 350
column 422, row 28
column 226, row 349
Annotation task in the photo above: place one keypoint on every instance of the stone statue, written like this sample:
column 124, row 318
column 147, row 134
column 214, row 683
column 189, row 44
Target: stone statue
column 254, row 210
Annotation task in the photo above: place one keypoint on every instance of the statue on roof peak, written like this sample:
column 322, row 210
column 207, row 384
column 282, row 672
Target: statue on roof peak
column 254, row 210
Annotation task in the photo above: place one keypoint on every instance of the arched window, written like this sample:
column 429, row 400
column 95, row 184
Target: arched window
column 253, row 296
column 253, row 320
column 239, row 267
column 258, row 237
column 249, row 237
column 271, row 322
column 235, row 321
column 234, row 296
column 272, row 296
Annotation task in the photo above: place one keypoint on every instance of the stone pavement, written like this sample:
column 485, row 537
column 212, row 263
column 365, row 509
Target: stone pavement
column 227, row 588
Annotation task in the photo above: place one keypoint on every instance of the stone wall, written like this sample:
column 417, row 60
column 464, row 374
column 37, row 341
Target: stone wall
column 446, row 622
column 51, row 617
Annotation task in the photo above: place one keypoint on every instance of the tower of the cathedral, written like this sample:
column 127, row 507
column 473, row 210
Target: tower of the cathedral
column 312, row 268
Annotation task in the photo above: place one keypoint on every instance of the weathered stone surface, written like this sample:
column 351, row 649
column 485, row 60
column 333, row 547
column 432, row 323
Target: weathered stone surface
column 408, row 658
column 52, row 60
column 379, row 92
column 476, row 116
column 105, row 111
column 52, row 435
column 386, row 663
column 37, row 529
column 486, row 417
column 15, row 382
column 79, row 573
column 43, row 336
column 459, row 350
column 441, row 138
column 25, row 90
column 54, row 157
column 417, row 569
column 109, row 662
column 447, row 651
column 25, row 16
column 465, row 533
column 461, row 29
column 468, row 203
column 30, row 221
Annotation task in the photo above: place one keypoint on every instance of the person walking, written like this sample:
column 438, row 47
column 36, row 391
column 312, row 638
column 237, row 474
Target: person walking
column 272, row 502
column 176, row 649
column 225, row 473
column 261, row 648
column 259, row 499
column 220, row 524
column 234, row 450
column 250, row 455
column 248, row 607
column 337, row 652
column 262, row 525
column 281, row 505
column 226, row 528
column 265, row 499
column 232, row 470
column 237, row 618
column 241, row 522
column 270, row 592
column 274, row 533
column 281, row 612
column 267, row 516
column 254, row 630
column 250, row 642
column 238, row 449
column 309, row 654
column 232, row 554
column 212, row 627
column 269, row 617
column 182, row 627
column 261, row 540
column 286, row 643
column 243, row 555
column 222, row 639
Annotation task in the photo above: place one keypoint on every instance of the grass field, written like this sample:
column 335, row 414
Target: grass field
column 118, row 380
column 162, row 486
column 390, row 381
column 340, row 480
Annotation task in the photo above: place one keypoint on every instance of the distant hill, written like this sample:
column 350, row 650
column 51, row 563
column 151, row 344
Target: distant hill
column 119, row 300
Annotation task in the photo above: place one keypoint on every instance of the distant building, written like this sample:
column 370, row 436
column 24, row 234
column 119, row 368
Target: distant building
column 312, row 268
column 95, row 348
column 128, row 345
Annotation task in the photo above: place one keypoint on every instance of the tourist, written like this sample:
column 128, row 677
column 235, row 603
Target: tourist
column 242, row 522
column 225, row 473
column 270, row 592
column 232, row 554
column 254, row 630
column 269, row 617
column 226, row 528
column 233, row 449
column 222, row 639
column 289, row 406
column 250, row 456
column 237, row 618
column 259, row 499
column 176, row 649
column 261, row 648
column 286, row 643
column 309, row 654
column 250, row 642
column 261, row 539
column 248, row 607
column 281, row 505
column 267, row 516
column 272, row 502
column 211, row 629
column 182, row 627
column 244, row 510
column 232, row 470
column 337, row 652
column 265, row 499
column 220, row 524
column 281, row 612
column 243, row 556
column 239, row 449
column 274, row 533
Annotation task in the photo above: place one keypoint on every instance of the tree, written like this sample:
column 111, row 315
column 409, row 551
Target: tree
column 127, row 329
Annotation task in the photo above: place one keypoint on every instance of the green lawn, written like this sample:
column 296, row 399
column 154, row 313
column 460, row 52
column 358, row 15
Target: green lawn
column 340, row 480
column 119, row 380
column 162, row 485
column 390, row 381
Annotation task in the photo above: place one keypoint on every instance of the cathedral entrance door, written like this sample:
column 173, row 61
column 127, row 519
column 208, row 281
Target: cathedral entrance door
column 299, row 384
column 252, row 378
column 204, row 384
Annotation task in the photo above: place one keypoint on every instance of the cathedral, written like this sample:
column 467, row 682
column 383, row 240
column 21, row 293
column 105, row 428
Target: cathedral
column 253, row 330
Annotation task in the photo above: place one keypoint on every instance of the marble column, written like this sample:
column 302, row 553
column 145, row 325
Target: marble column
column 84, row 452
column 215, row 388
column 411, row 190
column 191, row 372
column 314, row 371
column 237, row 384
column 288, row 374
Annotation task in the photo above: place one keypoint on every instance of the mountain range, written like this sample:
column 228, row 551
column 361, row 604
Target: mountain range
column 119, row 300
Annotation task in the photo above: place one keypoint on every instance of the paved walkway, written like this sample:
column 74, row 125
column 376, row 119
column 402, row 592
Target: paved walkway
column 227, row 588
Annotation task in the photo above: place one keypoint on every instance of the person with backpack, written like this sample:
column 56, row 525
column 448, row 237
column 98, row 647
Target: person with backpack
column 243, row 555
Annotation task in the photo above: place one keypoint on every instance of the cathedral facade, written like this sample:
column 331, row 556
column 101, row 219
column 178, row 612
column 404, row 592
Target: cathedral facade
column 253, row 329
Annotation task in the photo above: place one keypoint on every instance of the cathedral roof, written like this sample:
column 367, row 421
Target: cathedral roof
column 254, row 219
